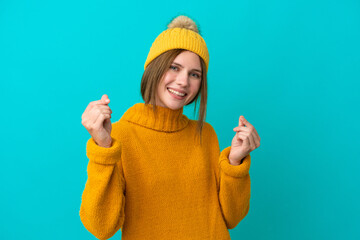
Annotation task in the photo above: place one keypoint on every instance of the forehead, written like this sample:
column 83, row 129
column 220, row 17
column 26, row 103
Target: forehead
column 188, row 58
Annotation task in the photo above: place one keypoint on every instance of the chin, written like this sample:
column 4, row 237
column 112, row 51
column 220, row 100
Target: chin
column 171, row 103
column 174, row 106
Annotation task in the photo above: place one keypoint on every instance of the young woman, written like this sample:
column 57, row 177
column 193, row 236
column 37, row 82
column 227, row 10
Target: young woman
column 155, row 174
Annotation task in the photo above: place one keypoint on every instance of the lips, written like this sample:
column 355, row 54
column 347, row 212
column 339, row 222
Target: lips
column 178, row 90
column 175, row 95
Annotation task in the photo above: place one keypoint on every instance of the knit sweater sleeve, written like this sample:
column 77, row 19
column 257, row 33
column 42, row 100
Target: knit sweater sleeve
column 234, row 192
column 103, row 199
column 233, row 185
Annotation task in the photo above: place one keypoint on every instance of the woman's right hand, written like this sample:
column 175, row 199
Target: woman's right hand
column 96, row 119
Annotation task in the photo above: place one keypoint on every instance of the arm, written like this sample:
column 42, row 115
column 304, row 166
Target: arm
column 233, row 182
column 103, row 200
column 234, row 192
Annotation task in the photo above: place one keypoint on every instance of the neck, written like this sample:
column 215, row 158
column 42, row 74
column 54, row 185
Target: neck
column 162, row 119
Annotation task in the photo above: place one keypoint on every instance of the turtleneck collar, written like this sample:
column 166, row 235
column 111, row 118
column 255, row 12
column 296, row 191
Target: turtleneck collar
column 164, row 120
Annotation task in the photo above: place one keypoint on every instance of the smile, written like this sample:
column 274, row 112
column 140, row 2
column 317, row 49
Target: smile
column 176, row 94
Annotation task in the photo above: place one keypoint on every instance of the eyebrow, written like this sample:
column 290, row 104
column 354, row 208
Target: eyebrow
column 183, row 66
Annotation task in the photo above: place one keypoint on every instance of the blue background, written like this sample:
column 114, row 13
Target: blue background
column 292, row 68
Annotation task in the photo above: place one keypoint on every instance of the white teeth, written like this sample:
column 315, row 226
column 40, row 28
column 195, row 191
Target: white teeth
column 177, row 93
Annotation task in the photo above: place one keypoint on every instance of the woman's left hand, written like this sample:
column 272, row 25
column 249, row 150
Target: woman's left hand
column 245, row 140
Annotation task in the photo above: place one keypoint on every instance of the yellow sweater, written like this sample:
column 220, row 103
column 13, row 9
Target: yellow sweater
column 157, row 182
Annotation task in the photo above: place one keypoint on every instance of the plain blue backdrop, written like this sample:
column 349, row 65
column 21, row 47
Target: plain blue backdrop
column 292, row 68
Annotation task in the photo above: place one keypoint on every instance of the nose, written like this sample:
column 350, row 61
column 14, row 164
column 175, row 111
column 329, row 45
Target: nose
column 182, row 79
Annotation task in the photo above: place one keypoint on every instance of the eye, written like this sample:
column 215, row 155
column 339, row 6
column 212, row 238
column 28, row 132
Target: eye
column 174, row 67
column 196, row 75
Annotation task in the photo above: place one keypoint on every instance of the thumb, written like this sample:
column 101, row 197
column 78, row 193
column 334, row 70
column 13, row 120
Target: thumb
column 105, row 99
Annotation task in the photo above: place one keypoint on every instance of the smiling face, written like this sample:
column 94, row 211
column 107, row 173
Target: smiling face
column 181, row 82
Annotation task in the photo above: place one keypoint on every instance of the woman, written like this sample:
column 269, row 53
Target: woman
column 148, row 174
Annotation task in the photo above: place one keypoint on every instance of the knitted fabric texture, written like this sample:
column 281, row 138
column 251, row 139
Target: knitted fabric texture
column 157, row 182
column 178, row 38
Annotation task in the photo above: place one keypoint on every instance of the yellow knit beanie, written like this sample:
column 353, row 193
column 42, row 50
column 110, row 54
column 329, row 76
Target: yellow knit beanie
column 182, row 33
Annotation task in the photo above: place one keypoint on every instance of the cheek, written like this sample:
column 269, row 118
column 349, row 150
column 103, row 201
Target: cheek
column 163, row 82
column 196, row 87
column 168, row 78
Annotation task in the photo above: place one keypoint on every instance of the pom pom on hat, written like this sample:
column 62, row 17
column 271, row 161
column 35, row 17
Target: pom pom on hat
column 183, row 22
column 182, row 33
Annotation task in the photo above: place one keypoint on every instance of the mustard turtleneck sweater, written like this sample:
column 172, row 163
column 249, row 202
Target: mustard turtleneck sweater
column 157, row 182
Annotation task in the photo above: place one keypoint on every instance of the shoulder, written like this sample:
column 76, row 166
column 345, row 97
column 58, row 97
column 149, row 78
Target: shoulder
column 210, row 137
column 207, row 130
column 208, row 127
column 119, row 128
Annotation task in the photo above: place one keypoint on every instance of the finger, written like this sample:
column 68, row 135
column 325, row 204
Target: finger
column 257, row 135
column 96, row 112
column 101, row 102
column 104, row 100
column 244, row 138
column 100, row 120
column 245, row 122
column 254, row 134
column 107, row 111
column 252, row 142
column 256, row 138
column 240, row 121
column 251, row 126
column 102, row 107
column 244, row 129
